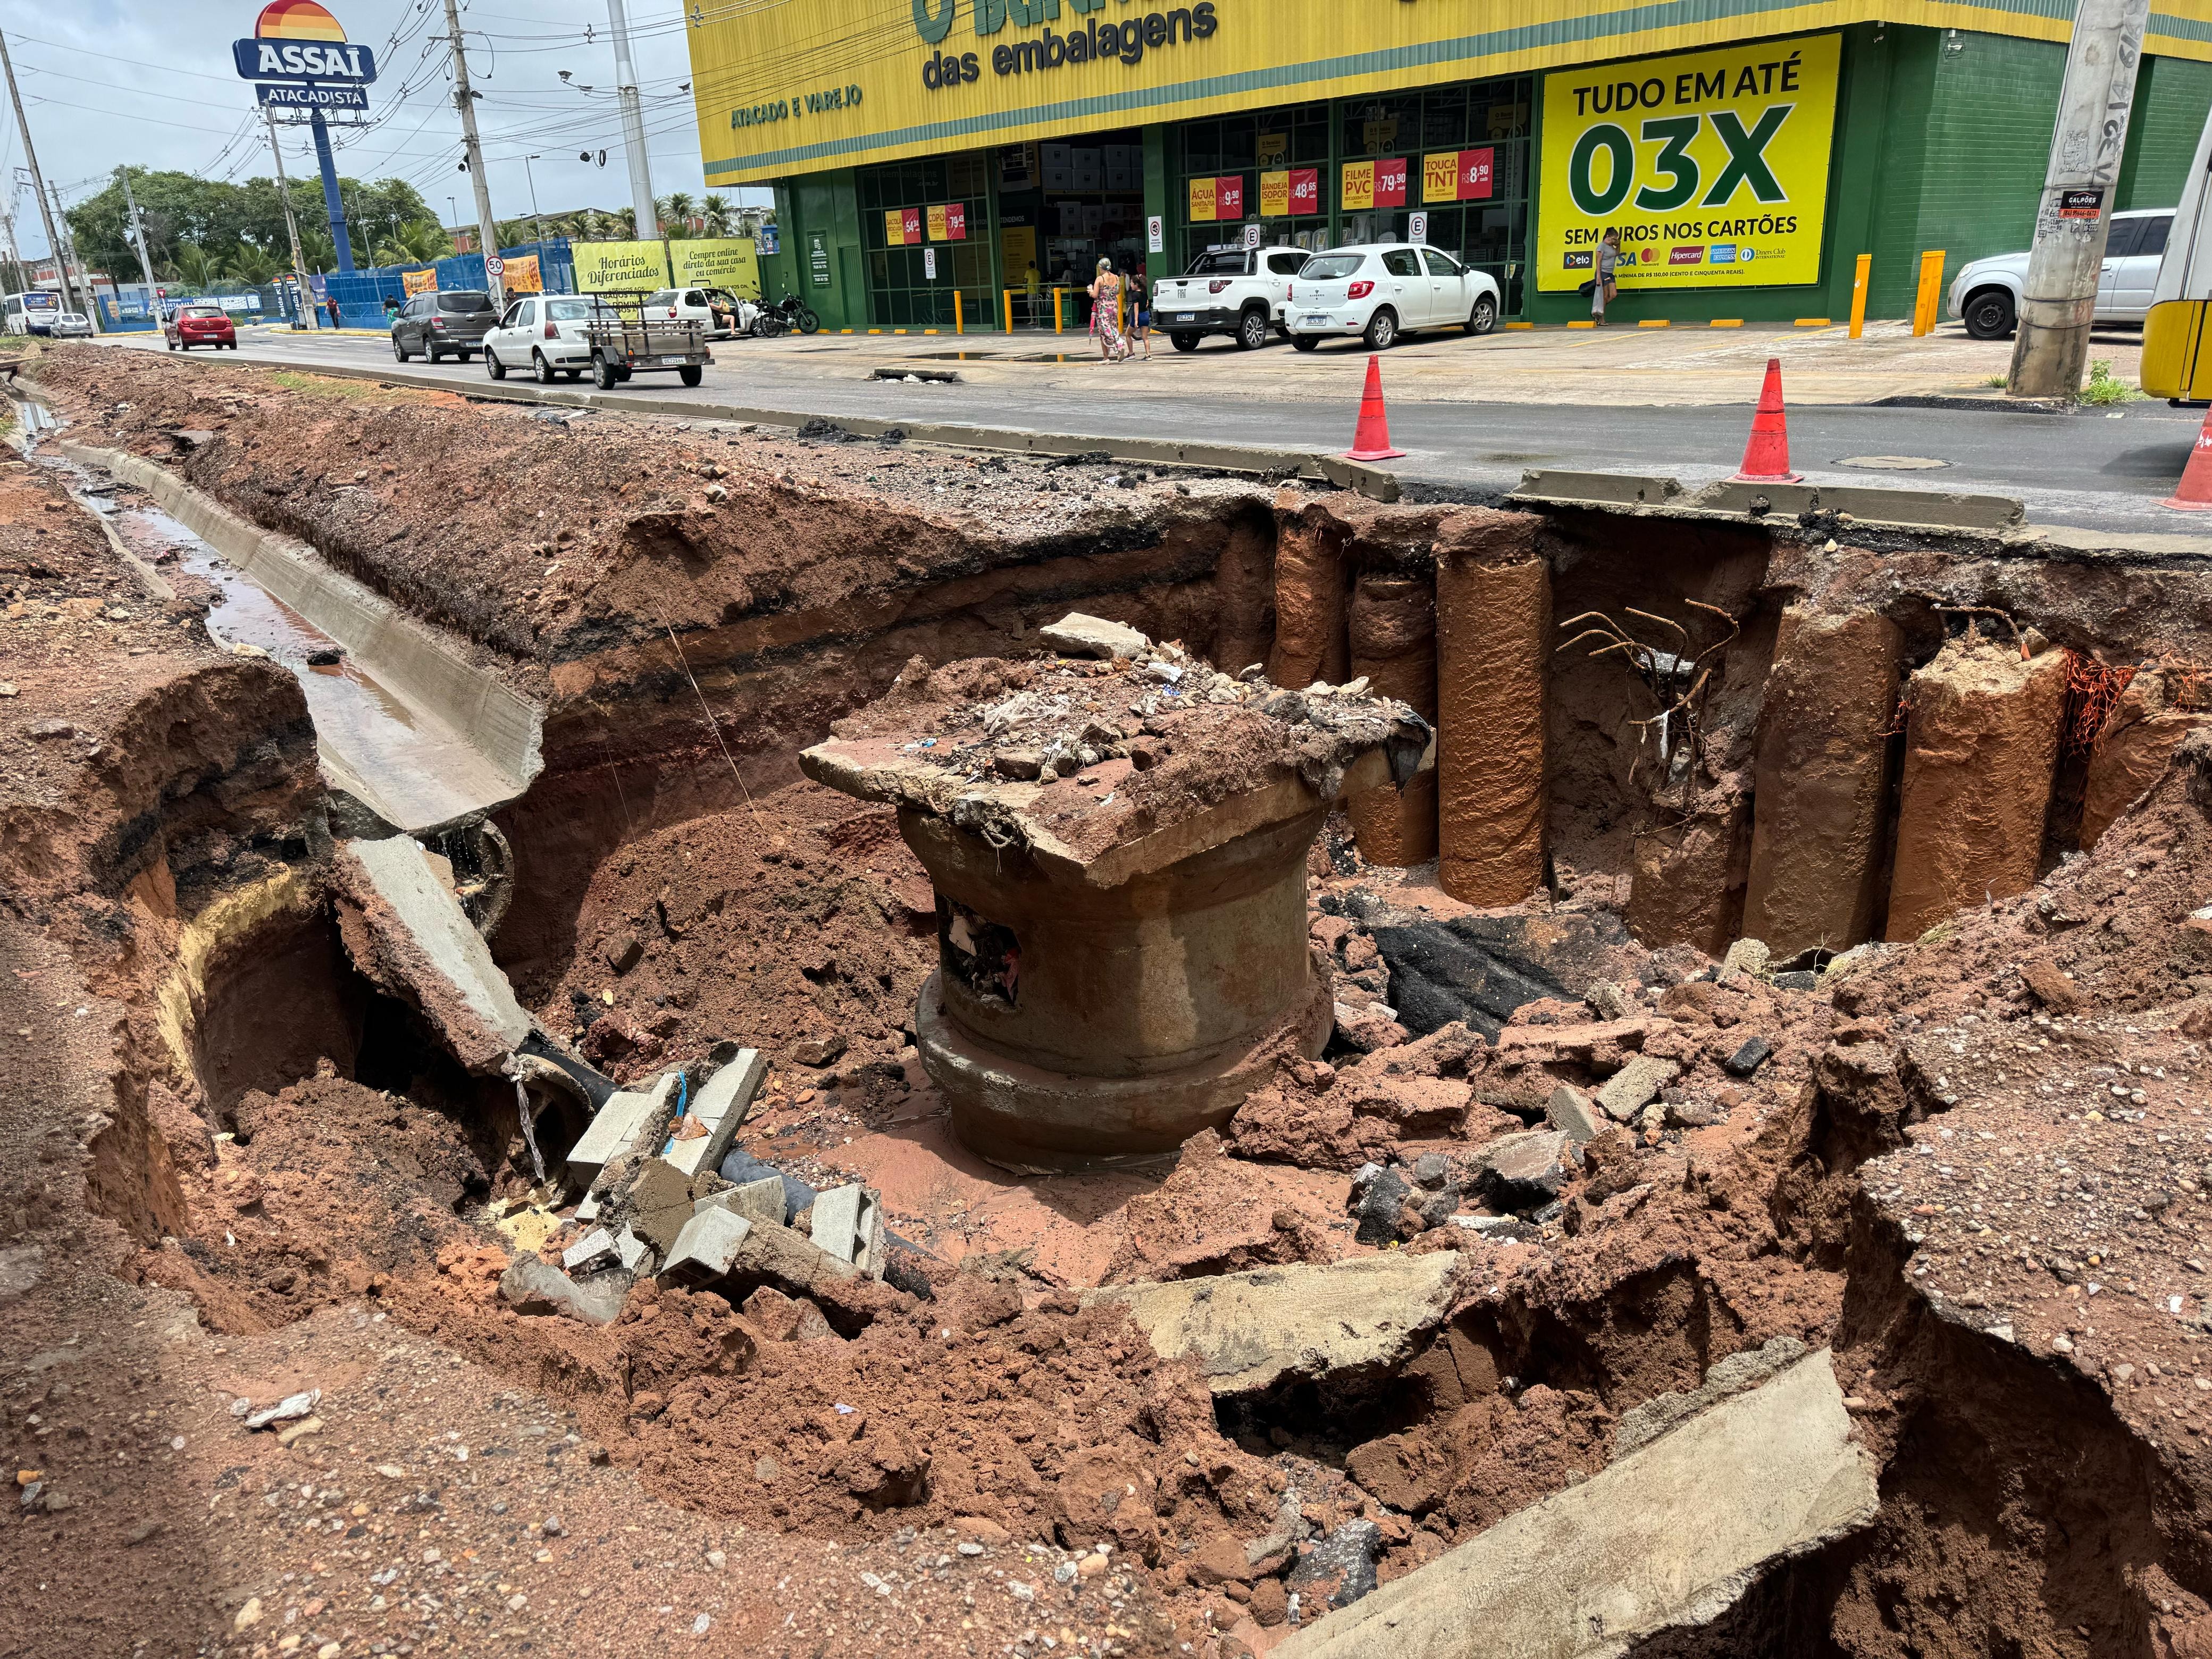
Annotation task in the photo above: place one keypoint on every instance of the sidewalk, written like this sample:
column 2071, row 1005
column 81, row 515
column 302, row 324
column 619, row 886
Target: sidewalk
column 1679, row 366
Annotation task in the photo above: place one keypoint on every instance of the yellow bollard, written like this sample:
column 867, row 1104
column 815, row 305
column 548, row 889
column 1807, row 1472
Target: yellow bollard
column 1009, row 311
column 1859, row 295
column 1931, row 292
column 957, row 327
column 1057, row 327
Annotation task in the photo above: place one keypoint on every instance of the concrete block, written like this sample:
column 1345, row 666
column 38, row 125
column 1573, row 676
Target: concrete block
column 848, row 1224
column 532, row 1286
column 720, row 1106
column 1635, row 1086
column 1249, row 1331
column 1573, row 1113
column 795, row 1266
column 705, row 1248
column 1524, row 1168
column 633, row 1251
column 625, row 1123
column 1663, row 1541
column 591, row 1247
column 660, row 1202
column 1077, row 635
column 760, row 1201
column 1588, row 488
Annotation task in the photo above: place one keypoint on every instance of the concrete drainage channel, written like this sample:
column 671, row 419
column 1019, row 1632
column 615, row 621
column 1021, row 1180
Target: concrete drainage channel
column 1475, row 988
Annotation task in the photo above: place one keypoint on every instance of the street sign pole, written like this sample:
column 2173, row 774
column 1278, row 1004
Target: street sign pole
column 300, row 288
column 333, row 204
column 464, row 100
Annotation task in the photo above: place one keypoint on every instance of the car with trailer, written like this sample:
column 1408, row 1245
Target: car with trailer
column 545, row 335
column 627, row 337
column 1382, row 292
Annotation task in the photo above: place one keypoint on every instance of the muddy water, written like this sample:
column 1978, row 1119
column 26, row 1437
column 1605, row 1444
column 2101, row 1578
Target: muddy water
column 402, row 762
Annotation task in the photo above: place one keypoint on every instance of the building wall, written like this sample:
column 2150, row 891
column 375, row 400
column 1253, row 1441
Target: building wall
column 2173, row 97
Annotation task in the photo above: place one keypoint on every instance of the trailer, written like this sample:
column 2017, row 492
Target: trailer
column 2177, row 342
column 625, row 342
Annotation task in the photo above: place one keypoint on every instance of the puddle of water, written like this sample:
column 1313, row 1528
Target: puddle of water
column 405, row 764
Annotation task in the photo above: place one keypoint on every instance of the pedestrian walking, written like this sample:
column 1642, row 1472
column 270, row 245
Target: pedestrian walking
column 1140, row 310
column 391, row 308
column 331, row 305
column 1602, row 286
column 1033, row 289
column 1105, row 292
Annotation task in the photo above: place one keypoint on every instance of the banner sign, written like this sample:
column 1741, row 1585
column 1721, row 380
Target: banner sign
column 520, row 275
column 619, row 267
column 1713, row 165
column 1373, row 184
column 419, row 281
column 732, row 263
column 1457, row 175
column 1290, row 193
column 1217, row 200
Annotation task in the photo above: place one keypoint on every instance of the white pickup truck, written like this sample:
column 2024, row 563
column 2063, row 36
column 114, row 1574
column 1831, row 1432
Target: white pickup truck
column 1236, row 291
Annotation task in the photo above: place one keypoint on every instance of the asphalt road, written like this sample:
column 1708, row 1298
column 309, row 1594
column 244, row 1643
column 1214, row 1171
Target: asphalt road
column 2100, row 470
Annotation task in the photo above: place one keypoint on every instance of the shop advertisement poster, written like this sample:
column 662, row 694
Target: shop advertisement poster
column 620, row 267
column 1713, row 165
column 723, row 262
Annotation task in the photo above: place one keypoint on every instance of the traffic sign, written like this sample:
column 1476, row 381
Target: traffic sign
column 493, row 265
column 1417, row 227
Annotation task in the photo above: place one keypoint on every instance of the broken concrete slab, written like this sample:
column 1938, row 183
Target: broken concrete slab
column 1251, row 1331
column 1635, row 1085
column 594, row 1245
column 719, row 1107
column 705, row 1248
column 1666, row 1539
column 794, row 1265
column 658, row 1201
column 1573, row 1113
column 1077, row 635
column 628, row 1121
column 1642, row 1424
column 408, row 933
column 848, row 1224
column 532, row 1286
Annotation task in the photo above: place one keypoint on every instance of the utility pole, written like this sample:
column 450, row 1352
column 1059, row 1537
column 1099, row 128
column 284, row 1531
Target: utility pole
column 2059, row 299
column 38, row 178
column 138, row 234
column 633, row 120
column 537, row 223
column 66, row 254
column 301, row 287
column 464, row 100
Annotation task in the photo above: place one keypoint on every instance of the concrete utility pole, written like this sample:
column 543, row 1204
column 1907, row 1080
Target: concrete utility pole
column 38, row 180
column 66, row 254
column 486, row 228
column 301, row 288
column 633, row 120
column 2071, row 222
column 138, row 231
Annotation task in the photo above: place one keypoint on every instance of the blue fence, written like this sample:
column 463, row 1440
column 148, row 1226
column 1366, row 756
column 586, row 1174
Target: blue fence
column 361, row 296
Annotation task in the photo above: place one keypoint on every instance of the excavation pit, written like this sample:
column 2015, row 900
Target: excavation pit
column 1118, row 857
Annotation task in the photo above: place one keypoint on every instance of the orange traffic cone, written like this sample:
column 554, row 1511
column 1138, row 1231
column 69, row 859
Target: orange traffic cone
column 1371, row 442
column 1766, row 457
column 2194, row 492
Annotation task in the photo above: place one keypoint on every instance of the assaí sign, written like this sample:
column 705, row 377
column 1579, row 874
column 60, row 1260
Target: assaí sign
column 1713, row 166
column 1096, row 41
column 300, row 40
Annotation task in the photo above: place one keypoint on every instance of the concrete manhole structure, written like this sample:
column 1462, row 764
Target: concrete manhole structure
column 1122, row 919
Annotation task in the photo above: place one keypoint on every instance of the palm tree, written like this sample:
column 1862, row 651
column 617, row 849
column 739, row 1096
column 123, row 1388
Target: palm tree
column 250, row 265
column 625, row 221
column 416, row 242
column 715, row 210
column 194, row 265
column 675, row 211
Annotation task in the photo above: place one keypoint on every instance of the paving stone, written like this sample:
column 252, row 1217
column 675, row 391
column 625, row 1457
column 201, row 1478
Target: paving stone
column 1077, row 635
column 1573, row 1113
column 1749, row 1058
column 1635, row 1086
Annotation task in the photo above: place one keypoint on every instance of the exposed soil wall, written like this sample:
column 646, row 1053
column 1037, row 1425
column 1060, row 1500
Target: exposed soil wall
column 1393, row 629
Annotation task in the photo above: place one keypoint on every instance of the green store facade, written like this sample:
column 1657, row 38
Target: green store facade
column 1940, row 142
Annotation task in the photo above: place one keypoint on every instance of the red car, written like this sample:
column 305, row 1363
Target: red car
column 207, row 326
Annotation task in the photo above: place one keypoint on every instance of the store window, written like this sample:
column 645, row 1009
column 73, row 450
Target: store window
column 1458, row 154
column 922, row 217
column 1064, row 204
column 1269, row 165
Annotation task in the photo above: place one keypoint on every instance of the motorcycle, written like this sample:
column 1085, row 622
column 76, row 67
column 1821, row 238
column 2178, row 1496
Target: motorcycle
column 798, row 315
column 750, row 317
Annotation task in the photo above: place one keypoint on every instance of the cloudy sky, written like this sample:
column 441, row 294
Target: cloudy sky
column 150, row 82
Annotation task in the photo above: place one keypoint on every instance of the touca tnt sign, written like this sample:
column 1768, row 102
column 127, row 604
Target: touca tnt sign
column 298, row 40
column 1713, row 166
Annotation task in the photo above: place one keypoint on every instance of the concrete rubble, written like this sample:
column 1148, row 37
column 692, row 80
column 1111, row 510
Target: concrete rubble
column 1767, row 1475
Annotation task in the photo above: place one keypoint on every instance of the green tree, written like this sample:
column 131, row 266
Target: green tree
column 193, row 263
column 418, row 242
column 180, row 208
column 249, row 263
column 715, row 210
column 675, row 211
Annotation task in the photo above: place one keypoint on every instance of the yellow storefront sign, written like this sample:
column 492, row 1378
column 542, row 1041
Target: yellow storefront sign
column 937, row 230
column 1275, row 195
column 418, row 281
column 620, row 267
column 1358, row 187
column 521, row 275
column 1713, row 166
column 724, row 262
column 1440, row 178
column 1202, row 201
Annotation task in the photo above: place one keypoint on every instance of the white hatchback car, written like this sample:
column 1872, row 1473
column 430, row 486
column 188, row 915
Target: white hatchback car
column 1380, row 291
column 544, row 334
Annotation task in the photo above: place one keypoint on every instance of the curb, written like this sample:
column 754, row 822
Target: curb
column 1262, row 463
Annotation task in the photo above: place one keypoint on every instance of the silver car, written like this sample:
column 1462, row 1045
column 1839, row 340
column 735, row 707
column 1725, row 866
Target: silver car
column 1985, row 294
column 72, row 325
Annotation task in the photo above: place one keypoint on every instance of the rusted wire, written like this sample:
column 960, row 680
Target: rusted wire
column 2091, row 690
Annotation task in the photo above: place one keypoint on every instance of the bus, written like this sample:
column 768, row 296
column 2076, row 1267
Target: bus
column 2177, row 348
column 31, row 312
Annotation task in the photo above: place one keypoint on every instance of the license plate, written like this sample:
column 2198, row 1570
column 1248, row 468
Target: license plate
column 1186, row 317
column 1321, row 322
